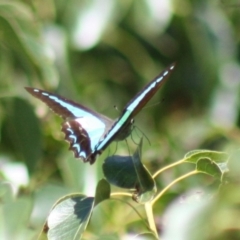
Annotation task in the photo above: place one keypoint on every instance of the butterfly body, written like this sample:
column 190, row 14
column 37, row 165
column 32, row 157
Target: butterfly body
column 89, row 132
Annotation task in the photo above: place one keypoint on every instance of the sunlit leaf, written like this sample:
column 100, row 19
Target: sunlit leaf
column 12, row 226
column 102, row 191
column 209, row 167
column 21, row 33
column 69, row 218
column 22, row 131
column 90, row 21
column 195, row 155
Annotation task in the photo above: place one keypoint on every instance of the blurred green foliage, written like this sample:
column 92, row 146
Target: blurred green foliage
column 101, row 53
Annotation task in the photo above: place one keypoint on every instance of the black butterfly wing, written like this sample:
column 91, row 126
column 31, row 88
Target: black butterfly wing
column 83, row 128
column 143, row 97
column 122, row 127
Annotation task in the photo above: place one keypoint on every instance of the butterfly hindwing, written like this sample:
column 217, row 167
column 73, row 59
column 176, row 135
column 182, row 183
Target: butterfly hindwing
column 78, row 139
column 82, row 127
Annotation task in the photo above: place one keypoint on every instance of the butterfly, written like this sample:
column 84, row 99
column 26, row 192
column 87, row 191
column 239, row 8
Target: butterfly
column 89, row 132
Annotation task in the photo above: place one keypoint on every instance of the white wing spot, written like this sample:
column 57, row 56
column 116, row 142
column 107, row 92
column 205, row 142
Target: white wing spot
column 76, row 145
column 83, row 154
column 73, row 137
column 70, row 130
column 35, row 90
column 45, row 94
column 55, row 98
column 160, row 79
column 165, row 73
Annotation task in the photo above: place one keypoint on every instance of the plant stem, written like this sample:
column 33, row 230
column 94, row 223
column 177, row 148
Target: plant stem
column 167, row 167
column 172, row 183
column 150, row 218
column 121, row 194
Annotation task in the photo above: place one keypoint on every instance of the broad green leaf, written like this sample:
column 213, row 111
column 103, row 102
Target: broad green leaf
column 14, row 218
column 44, row 198
column 81, row 15
column 22, row 132
column 69, row 217
column 120, row 171
column 22, row 35
column 102, row 191
column 207, row 166
column 129, row 172
column 195, row 155
column 146, row 188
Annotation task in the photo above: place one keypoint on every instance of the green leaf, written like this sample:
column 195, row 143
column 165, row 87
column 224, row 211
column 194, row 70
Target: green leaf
column 120, row 171
column 12, row 227
column 22, row 132
column 146, row 188
column 69, row 217
column 195, row 155
column 207, row 166
column 79, row 14
column 102, row 191
column 21, row 33
column 129, row 172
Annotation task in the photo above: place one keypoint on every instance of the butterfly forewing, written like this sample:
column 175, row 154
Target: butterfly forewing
column 83, row 128
column 135, row 105
column 143, row 97
column 65, row 107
